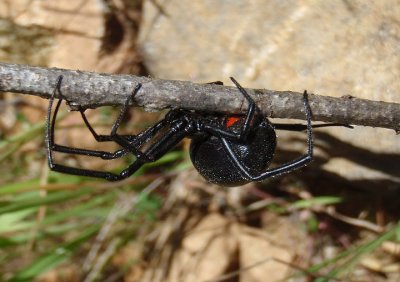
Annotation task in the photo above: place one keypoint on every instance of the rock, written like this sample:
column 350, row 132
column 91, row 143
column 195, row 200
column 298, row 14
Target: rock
column 330, row 48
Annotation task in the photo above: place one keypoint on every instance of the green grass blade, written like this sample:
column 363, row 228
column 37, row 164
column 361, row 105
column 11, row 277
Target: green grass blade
column 55, row 257
column 13, row 188
column 51, row 198
column 351, row 257
column 317, row 201
column 11, row 222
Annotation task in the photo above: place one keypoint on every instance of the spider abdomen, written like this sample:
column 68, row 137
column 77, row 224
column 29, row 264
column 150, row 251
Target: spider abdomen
column 210, row 157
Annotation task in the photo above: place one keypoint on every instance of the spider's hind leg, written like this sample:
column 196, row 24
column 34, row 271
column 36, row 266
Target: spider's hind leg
column 302, row 127
column 285, row 168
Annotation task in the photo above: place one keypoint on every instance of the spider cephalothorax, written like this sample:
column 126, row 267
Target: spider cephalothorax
column 226, row 150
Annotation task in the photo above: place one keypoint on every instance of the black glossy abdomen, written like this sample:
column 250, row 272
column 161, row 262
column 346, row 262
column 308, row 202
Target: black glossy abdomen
column 212, row 161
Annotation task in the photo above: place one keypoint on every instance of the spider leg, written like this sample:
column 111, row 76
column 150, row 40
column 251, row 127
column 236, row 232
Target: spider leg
column 71, row 150
column 250, row 110
column 158, row 149
column 301, row 127
column 123, row 141
column 98, row 137
column 93, row 153
column 127, row 141
column 215, row 130
column 174, row 135
column 286, row 168
column 104, row 138
column 50, row 143
column 136, row 139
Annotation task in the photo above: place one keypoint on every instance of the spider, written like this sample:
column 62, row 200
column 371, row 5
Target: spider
column 226, row 150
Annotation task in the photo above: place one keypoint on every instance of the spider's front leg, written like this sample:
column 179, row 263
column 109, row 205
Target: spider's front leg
column 100, row 138
column 51, row 146
column 244, row 130
column 159, row 148
column 130, row 143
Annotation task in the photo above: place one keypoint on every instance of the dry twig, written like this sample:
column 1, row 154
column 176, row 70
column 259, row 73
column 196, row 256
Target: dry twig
column 91, row 90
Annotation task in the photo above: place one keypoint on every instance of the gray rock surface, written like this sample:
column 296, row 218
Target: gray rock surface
column 327, row 47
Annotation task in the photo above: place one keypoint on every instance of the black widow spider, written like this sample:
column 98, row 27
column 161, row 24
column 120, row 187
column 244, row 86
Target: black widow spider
column 228, row 151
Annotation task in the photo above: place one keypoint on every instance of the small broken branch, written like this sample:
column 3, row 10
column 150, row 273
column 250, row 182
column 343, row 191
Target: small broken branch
column 92, row 90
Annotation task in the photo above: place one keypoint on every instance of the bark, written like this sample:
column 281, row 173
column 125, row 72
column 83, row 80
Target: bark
column 92, row 90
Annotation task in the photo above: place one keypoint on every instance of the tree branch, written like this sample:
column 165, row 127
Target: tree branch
column 92, row 90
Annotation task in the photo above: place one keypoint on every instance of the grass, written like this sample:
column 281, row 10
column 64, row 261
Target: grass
column 346, row 261
column 56, row 219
